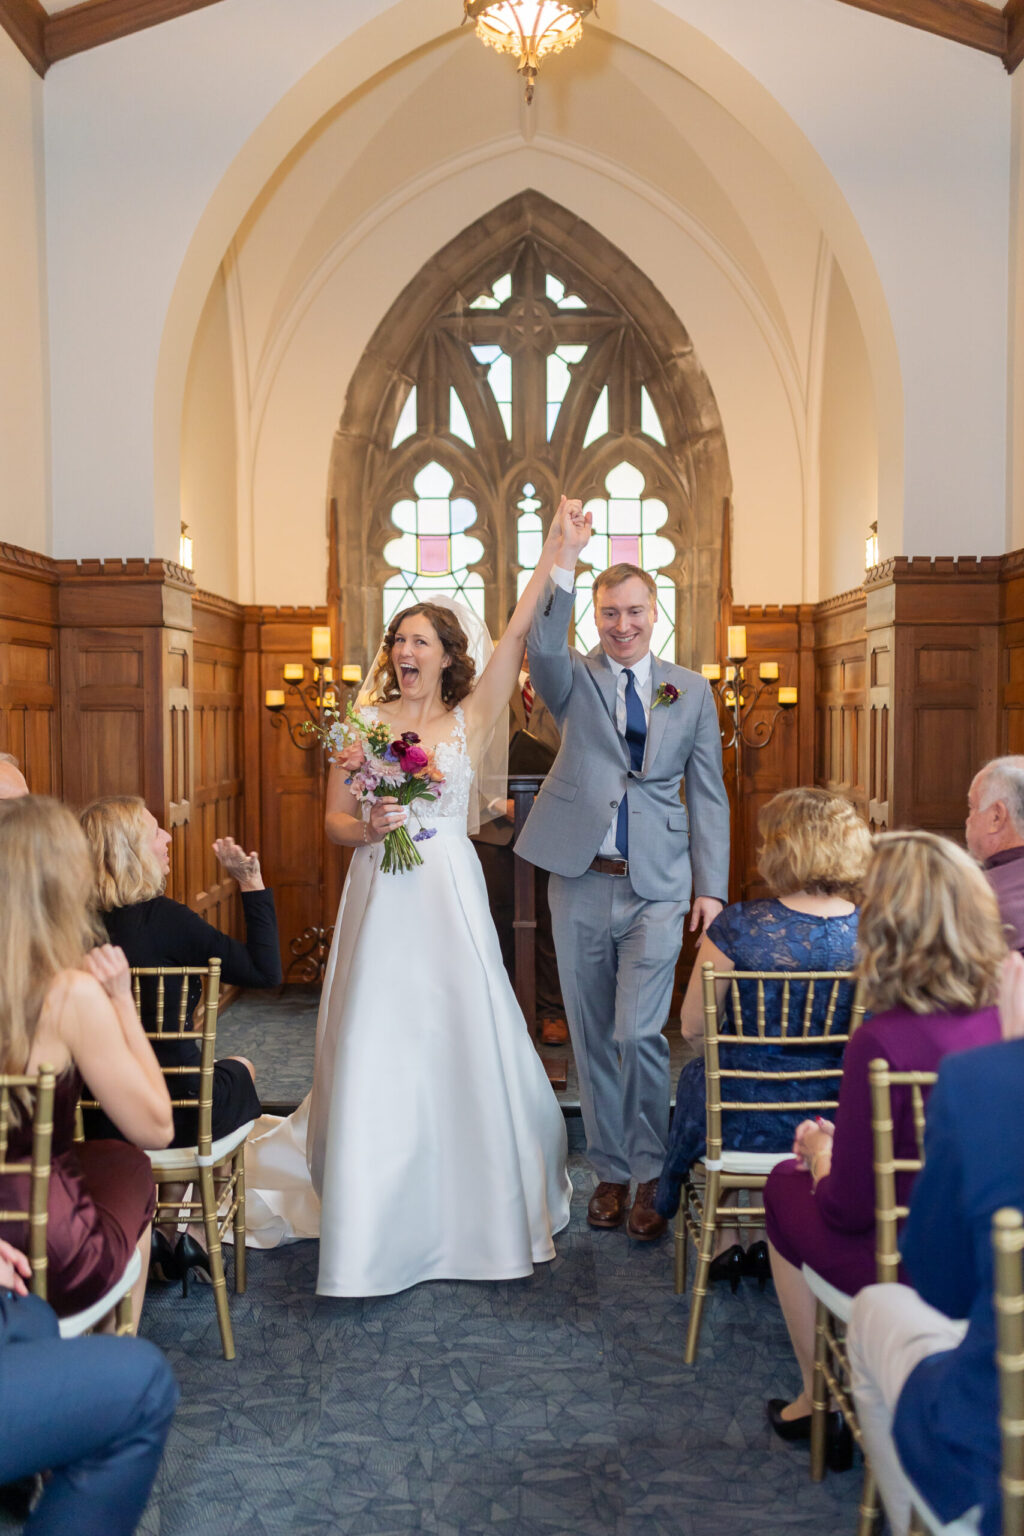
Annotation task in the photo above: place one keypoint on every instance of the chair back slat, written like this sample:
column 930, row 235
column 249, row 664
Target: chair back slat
column 888, row 1210
column 754, row 1032
column 1008, row 1265
column 40, row 1091
column 202, row 1101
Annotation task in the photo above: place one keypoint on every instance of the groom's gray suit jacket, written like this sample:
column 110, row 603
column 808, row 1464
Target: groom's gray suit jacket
column 671, row 845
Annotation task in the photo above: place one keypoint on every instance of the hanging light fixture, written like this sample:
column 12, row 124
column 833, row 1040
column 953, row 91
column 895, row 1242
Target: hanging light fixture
column 530, row 29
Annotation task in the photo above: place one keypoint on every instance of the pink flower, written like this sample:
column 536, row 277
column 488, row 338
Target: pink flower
column 412, row 757
column 351, row 757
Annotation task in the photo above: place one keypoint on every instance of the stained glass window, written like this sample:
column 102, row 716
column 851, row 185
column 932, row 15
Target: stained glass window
column 626, row 525
column 571, row 374
column 560, row 361
column 433, row 551
column 499, row 377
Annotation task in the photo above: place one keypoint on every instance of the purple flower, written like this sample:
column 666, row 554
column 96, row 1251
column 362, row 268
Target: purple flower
column 426, row 832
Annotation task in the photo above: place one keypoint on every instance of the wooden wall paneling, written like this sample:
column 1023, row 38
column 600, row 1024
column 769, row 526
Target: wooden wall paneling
column 1011, row 657
column 29, row 667
column 300, row 865
column 880, row 631
column 219, row 789
column 126, row 658
column 945, row 635
column 840, row 697
column 773, row 634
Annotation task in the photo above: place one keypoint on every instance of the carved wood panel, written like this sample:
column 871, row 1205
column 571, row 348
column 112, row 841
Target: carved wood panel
column 29, row 667
column 218, row 797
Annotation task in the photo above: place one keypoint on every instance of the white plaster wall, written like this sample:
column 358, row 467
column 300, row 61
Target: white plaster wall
column 209, row 458
column 848, row 450
column 142, row 136
column 24, row 476
column 304, row 406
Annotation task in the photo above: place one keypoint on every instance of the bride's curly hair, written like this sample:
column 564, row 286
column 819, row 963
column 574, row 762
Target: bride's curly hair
column 458, row 676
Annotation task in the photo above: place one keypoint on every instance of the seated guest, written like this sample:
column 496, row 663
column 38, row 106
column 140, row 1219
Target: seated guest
column 131, row 861
column 814, row 850
column 12, row 780
column 69, row 1006
column 94, row 1413
column 929, row 947
column 920, row 1377
column 995, row 836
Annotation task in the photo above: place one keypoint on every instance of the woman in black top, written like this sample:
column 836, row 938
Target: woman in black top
column 131, row 855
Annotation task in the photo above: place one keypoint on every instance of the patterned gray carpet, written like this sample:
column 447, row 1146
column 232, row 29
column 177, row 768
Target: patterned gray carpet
column 550, row 1405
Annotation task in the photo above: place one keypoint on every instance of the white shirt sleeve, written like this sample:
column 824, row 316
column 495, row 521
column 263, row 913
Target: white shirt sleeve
column 563, row 578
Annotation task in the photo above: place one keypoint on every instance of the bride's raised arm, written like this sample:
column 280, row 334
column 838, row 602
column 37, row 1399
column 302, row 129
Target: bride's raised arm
column 501, row 674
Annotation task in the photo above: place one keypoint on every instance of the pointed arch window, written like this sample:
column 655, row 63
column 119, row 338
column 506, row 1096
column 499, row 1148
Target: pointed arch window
column 529, row 380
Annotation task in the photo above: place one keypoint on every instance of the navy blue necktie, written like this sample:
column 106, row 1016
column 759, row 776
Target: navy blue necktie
column 636, row 741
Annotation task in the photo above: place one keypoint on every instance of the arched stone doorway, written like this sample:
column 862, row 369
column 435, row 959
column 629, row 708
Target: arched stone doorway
column 528, row 356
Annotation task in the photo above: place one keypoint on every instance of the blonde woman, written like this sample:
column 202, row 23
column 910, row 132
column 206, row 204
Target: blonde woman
column 67, row 1004
column 930, row 946
column 814, row 851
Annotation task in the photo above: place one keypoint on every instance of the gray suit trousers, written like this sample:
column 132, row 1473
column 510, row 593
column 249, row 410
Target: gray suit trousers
column 616, row 962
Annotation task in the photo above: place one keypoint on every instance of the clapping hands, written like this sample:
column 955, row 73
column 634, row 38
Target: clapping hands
column 245, row 867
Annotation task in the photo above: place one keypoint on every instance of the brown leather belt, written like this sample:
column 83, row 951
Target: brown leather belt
column 610, row 866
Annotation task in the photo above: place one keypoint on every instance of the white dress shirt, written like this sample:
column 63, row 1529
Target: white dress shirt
column 641, row 671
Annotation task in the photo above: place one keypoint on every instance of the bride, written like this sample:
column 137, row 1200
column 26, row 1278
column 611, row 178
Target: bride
column 434, row 1144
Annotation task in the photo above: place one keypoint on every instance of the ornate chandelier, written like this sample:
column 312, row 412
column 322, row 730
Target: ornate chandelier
column 530, row 29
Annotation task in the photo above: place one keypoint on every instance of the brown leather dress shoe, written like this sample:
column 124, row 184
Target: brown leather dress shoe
column 608, row 1204
column 645, row 1224
column 554, row 1032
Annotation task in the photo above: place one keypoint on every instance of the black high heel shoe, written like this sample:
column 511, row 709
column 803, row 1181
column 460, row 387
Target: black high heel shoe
column 728, row 1266
column 758, row 1264
column 190, row 1255
column 163, row 1263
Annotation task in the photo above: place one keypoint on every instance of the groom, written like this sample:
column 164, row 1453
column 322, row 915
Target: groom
column 623, row 851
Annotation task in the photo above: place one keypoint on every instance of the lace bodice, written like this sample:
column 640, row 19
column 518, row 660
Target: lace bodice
column 452, row 758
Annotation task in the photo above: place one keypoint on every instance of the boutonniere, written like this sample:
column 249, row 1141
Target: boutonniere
column 667, row 694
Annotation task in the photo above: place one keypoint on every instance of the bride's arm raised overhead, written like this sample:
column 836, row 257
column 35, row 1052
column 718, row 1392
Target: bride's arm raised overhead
column 494, row 688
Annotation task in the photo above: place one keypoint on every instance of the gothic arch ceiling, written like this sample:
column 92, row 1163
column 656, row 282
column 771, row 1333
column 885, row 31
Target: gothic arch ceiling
column 48, row 30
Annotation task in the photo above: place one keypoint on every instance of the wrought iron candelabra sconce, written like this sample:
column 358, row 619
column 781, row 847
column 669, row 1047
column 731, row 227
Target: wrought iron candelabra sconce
column 741, row 695
column 322, row 696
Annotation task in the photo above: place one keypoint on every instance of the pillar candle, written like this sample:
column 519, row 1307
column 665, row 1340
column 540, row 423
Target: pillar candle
column 712, row 671
column 737, row 646
column 294, row 672
column 275, row 698
column 321, row 643
column 352, row 672
column 787, row 697
column 768, row 671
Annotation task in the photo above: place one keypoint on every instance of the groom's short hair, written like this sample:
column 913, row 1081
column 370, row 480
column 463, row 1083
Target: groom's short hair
column 615, row 575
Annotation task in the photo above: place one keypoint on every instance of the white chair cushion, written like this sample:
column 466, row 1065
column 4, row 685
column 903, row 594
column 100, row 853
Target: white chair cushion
column 757, row 1164
column 81, row 1322
column 181, row 1157
column 838, row 1302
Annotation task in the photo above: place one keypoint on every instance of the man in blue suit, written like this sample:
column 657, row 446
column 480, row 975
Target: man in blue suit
column 95, row 1412
column 924, row 1380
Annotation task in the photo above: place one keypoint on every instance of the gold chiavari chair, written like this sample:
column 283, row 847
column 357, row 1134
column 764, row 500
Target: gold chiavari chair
column 221, row 1200
column 832, row 1314
column 724, row 1171
column 1008, row 1253
column 41, row 1091
column 217, row 1168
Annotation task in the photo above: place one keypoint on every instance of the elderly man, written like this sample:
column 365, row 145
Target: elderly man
column 12, row 780
column 995, row 836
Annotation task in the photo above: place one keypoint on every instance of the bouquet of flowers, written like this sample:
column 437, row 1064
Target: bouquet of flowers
column 380, row 764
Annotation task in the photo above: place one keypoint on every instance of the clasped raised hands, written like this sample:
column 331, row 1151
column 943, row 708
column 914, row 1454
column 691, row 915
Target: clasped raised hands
column 571, row 527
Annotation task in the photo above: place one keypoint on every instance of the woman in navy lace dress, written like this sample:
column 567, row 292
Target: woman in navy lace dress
column 813, row 854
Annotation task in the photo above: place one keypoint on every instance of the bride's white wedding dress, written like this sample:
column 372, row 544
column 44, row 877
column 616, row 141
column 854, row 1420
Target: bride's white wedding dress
column 432, row 1135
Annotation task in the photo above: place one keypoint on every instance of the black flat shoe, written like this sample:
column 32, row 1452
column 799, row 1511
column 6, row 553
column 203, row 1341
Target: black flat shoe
column 787, row 1429
column 758, row 1264
column 728, row 1266
column 163, row 1264
column 190, row 1255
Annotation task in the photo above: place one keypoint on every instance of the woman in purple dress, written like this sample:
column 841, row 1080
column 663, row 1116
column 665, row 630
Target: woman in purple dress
column 929, row 947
